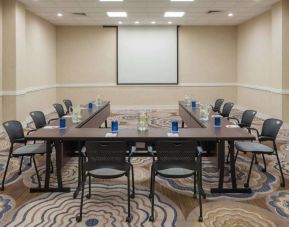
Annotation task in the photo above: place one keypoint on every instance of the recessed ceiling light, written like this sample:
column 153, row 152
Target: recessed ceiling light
column 120, row 22
column 230, row 14
column 116, row 14
column 153, row 22
column 111, row 0
column 182, row 0
column 136, row 22
column 174, row 14
column 170, row 22
column 59, row 14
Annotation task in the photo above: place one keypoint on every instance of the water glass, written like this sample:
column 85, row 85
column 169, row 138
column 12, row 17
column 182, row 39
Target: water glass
column 175, row 126
column 90, row 106
column 62, row 123
column 114, row 126
column 194, row 104
column 217, row 121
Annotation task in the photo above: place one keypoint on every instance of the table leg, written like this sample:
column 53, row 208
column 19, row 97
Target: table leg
column 221, row 164
column 60, row 187
column 75, row 194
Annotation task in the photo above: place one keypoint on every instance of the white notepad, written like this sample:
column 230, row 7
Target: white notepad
column 173, row 134
column 51, row 127
column 232, row 126
column 110, row 134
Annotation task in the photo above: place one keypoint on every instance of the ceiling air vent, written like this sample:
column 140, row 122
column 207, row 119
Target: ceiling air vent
column 214, row 11
column 79, row 14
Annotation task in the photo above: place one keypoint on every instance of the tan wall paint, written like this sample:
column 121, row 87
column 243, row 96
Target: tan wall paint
column 259, row 62
column 32, row 65
column 200, row 47
column 1, row 59
column 87, row 55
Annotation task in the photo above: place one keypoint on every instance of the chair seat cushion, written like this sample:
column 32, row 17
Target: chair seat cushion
column 107, row 172
column 176, row 172
column 253, row 147
column 30, row 149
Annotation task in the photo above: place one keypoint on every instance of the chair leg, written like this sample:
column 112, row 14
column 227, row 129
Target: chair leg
column 5, row 172
column 237, row 152
column 200, row 195
column 51, row 167
column 20, row 167
column 129, row 218
column 151, row 184
column 246, row 185
column 79, row 217
column 195, row 184
column 265, row 166
column 37, row 173
column 152, row 218
column 89, row 187
column 281, row 171
column 132, row 178
column 256, row 160
column 30, row 162
column 227, row 159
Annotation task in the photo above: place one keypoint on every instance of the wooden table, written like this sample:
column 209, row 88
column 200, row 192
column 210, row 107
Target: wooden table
column 191, row 117
column 93, row 118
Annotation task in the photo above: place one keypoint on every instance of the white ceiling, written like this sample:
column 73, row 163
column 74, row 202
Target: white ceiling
column 146, row 11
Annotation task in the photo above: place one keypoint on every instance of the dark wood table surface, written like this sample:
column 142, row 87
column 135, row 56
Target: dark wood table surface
column 191, row 117
column 203, row 131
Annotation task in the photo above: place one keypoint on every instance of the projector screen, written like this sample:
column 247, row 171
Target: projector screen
column 147, row 55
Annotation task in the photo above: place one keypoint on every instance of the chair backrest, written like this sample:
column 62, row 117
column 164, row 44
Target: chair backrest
column 218, row 105
column 106, row 154
column 271, row 127
column 176, row 151
column 38, row 118
column 14, row 130
column 59, row 109
column 67, row 104
column 227, row 109
column 248, row 117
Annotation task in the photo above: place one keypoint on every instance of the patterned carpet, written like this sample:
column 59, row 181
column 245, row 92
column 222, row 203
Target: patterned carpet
column 267, row 205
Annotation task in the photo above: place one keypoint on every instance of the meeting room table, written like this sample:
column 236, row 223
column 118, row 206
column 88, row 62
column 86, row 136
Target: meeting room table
column 204, row 132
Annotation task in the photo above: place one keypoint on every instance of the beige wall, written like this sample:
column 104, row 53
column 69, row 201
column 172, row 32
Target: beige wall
column 1, row 60
column 260, row 64
column 30, row 62
column 86, row 55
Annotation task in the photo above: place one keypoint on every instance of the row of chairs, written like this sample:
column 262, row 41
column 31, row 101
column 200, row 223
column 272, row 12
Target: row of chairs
column 269, row 132
column 16, row 136
column 173, row 159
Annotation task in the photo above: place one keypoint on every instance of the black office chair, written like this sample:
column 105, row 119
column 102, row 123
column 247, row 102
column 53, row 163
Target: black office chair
column 269, row 132
column 39, row 121
column 67, row 104
column 218, row 105
column 177, row 160
column 15, row 133
column 227, row 108
column 246, row 122
column 105, row 160
column 59, row 110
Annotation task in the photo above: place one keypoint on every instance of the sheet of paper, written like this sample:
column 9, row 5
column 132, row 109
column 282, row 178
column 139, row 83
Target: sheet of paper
column 172, row 134
column 110, row 134
column 67, row 116
column 232, row 126
column 51, row 127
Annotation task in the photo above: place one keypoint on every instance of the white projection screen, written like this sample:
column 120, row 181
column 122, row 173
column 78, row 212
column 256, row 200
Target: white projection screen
column 147, row 55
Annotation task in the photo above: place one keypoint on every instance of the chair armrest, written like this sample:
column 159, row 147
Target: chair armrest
column 53, row 119
column 255, row 130
column 32, row 130
column 234, row 118
column 200, row 151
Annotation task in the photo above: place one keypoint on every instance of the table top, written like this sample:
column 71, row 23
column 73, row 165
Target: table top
column 207, row 132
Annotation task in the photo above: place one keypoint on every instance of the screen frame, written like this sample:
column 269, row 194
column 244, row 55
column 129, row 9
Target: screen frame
column 132, row 84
